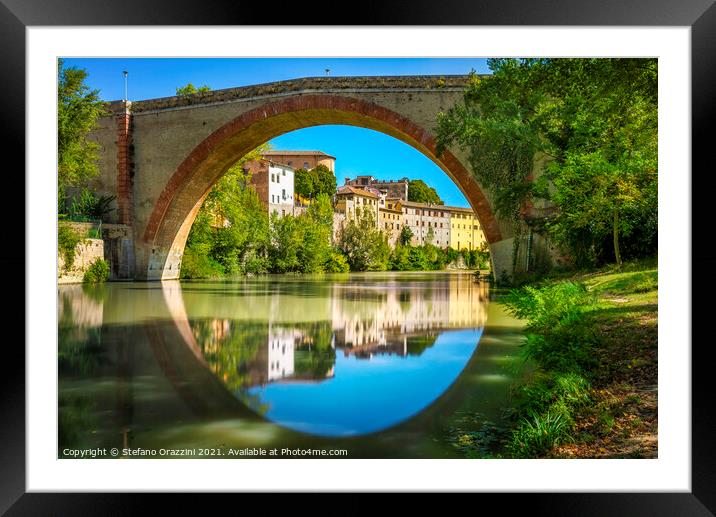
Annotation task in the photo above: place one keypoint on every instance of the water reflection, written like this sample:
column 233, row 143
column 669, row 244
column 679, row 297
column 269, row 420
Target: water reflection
column 339, row 356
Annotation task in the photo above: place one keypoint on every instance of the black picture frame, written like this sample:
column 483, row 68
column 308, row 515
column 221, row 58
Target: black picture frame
column 699, row 15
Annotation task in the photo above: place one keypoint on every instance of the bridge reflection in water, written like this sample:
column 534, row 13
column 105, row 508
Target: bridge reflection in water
column 339, row 357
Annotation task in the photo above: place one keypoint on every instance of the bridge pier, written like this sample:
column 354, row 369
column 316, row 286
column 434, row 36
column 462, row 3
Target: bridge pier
column 155, row 263
column 501, row 258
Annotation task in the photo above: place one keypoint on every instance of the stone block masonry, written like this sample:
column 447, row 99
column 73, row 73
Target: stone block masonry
column 116, row 247
column 125, row 167
column 86, row 253
column 162, row 156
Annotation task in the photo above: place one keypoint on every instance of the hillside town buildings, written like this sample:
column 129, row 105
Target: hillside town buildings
column 350, row 201
column 301, row 159
column 274, row 184
column 430, row 224
column 390, row 221
column 391, row 188
column 386, row 200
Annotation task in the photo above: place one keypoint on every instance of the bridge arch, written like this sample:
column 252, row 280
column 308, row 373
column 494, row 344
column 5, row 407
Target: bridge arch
column 161, row 244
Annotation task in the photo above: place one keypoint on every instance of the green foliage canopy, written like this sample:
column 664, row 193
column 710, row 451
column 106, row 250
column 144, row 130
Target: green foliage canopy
column 420, row 192
column 78, row 109
column 190, row 89
column 594, row 122
column 314, row 182
column 365, row 246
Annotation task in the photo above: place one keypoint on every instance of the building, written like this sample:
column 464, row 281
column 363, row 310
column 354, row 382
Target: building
column 274, row 185
column 465, row 229
column 422, row 217
column 390, row 188
column 302, row 159
column 390, row 221
column 346, row 203
column 349, row 200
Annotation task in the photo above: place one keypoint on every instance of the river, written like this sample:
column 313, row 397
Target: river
column 373, row 365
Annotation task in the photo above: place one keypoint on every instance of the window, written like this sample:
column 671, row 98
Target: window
column 283, row 193
column 283, row 172
column 305, row 165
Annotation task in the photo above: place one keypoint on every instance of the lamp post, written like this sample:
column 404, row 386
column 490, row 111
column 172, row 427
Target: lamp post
column 125, row 73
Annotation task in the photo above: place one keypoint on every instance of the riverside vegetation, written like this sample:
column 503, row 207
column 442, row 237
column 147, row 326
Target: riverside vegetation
column 591, row 338
column 233, row 234
column 591, row 335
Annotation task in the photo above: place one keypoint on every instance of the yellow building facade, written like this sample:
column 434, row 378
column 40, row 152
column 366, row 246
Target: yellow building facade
column 465, row 229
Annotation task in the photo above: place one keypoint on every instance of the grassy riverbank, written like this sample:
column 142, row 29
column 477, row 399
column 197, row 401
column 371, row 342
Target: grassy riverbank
column 592, row 339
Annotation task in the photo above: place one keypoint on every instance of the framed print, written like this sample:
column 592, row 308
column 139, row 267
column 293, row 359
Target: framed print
column 358, row 379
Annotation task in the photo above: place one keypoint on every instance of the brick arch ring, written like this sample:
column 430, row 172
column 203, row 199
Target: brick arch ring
column 179, row 202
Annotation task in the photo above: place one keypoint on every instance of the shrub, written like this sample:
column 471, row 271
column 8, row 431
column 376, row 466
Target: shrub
column 337, row 263
column 549, row 388
column 451, row 255
column 197, row 265
column 89, row 207
column 560, row 334
column 399, row 258
column 255, row 264
column 418, row 259
column 67, row 241
column 539, row 432
column 97, row 272
column 94, row 233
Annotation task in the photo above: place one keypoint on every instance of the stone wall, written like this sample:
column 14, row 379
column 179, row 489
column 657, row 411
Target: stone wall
column 119, row 250
column 116, row 247
column 339, row 221
column 86, row 253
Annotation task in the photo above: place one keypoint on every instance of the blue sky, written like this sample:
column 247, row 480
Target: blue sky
column 357, row 150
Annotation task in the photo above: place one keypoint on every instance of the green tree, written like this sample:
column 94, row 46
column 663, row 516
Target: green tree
column 365, row 246
column 78, row 109
column 303, row 244
column 420, row 192
column 317, row 226
column 594, row 123
column 304, row 183
column 311, row 183
column 325, row 180
column 286, row 236
column 603, row 134
column 399, row 258
column 231, row 231
column 190, row 89
column 406, row 235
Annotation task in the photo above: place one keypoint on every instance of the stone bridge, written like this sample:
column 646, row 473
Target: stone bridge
column 160, row 157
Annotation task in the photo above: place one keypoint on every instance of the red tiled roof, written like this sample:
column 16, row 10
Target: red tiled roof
column 296, row 153
column 348, row 189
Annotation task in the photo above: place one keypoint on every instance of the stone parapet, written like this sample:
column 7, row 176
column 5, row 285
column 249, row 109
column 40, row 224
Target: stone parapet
column 307, row 84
